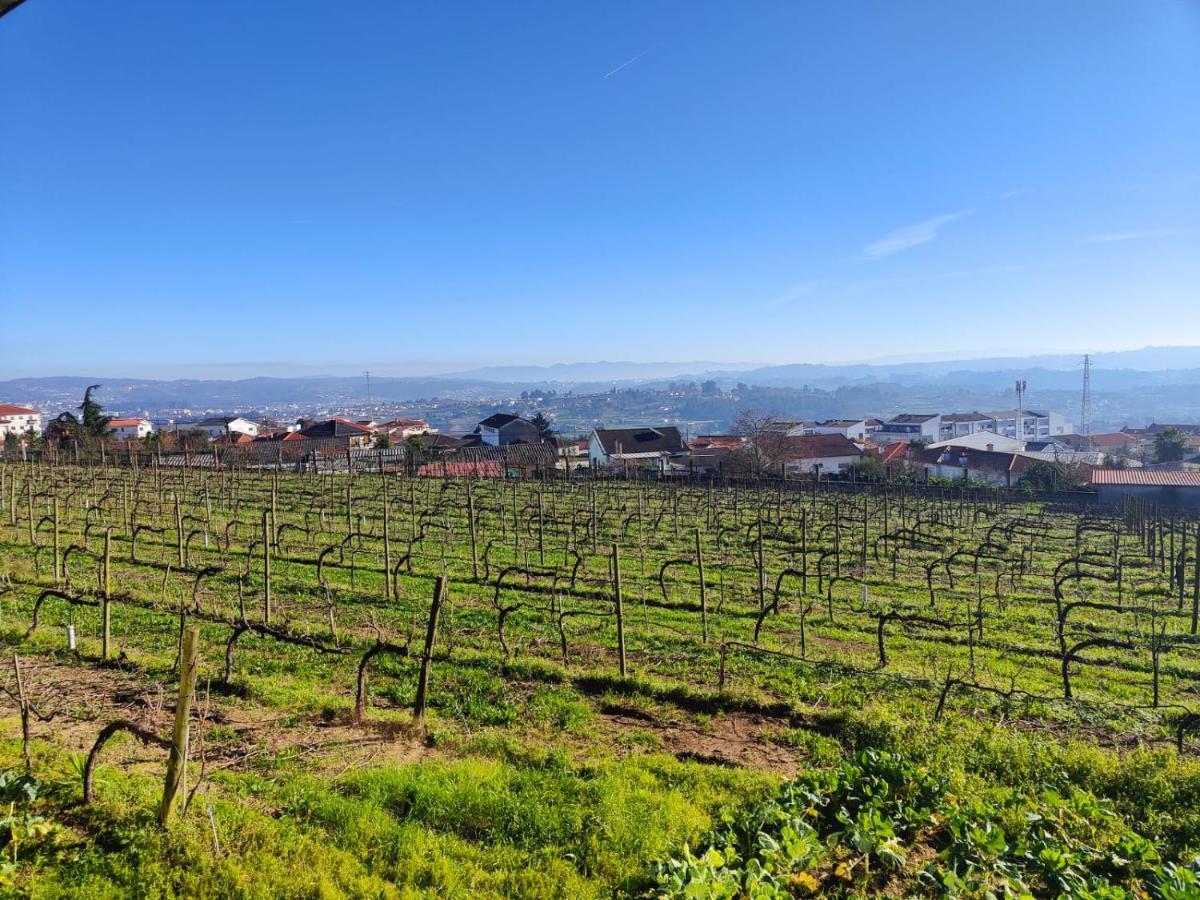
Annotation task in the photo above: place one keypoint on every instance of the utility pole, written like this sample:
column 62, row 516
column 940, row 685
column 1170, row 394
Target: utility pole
column 1021, row 387
column 1085, row 406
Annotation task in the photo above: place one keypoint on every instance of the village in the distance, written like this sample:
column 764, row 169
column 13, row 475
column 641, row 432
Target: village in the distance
column 543, row 432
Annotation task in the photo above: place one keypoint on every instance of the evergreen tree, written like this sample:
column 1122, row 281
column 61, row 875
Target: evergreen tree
column 93, row 420
column 92, row 423
column 544, row 426
column 1170, row 445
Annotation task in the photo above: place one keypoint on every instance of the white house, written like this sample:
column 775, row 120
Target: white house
column 218, row 426
column 641, row 446
column 816, row 454
column 19, row 420
column 983, row 440
column 130, row 429
column 852, row 429
column 909, row 427
column 999, row 469
column 501, row 429
column 789, row 427
column 957, row 424
column 1028, row 425
column 402, row 429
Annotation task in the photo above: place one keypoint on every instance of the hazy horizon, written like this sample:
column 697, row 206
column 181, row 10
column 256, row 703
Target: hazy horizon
column 433, row 370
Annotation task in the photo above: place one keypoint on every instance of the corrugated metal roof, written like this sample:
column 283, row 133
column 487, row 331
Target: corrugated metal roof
column 480, row 469
column 1142, row 477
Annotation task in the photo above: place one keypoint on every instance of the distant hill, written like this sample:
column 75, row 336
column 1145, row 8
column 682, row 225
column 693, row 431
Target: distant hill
column 574, row 373
column 1130, row 387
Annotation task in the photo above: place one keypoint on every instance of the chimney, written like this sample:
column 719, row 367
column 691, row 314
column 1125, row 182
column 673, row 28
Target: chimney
column 991, row 447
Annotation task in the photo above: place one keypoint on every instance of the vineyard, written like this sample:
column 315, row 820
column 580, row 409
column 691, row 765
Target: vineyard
column 573, row 688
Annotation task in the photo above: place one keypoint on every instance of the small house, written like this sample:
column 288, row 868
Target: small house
column 500, row 429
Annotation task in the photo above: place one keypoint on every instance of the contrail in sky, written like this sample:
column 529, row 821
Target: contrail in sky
column 628, row 62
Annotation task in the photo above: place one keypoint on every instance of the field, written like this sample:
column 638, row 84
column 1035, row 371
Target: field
column 542, row 688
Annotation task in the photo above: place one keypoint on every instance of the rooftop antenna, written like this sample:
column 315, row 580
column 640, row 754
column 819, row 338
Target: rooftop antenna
column 1021, row 387
column 1085, row 406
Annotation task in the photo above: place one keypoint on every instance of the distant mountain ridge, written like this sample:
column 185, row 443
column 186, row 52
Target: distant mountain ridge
column 598, row 371
column 1134, row 373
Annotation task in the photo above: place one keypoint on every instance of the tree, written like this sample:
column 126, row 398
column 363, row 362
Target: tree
column 93, row 420
column 544, row 426
column 92, row 423
column 1170, row 445
column 63, row 427
column 870, row 467
column 709, row 388
column 764, row 440
column 1051, row 477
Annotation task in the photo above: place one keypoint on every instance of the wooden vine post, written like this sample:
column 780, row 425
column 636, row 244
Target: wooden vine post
column 762, row 567
column 616, row 563
column 474, row 539
column 23, row 702
column 177, row 763
column 1196, row 585
column 105, row 594
column 58, row 567
column 439, row 594
column 387, row 539
column 703, row 595
column 266, row 542
column 179, row 530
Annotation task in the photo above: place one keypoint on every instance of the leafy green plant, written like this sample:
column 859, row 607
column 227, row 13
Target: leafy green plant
column 854, row 827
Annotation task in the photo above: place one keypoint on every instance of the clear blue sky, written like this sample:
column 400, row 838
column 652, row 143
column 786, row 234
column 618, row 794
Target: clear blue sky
column 210, row 187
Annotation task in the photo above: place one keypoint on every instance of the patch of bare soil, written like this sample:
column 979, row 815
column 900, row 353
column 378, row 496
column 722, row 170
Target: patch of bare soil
column 80, row 699
column 730, row 739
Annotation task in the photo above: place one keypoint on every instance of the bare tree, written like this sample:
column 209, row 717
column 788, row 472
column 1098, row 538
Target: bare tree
column 764, row 438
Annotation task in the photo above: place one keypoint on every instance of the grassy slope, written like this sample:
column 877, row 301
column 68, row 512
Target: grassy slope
column 527, row 790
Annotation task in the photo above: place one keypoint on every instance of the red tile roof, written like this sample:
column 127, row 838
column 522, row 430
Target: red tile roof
column 977, row 460
column 1114, row 439
column 7, row 409
column 817, row 446
column 124, row 423
column 1154, row 478
column 724, row 441
column 893, row 452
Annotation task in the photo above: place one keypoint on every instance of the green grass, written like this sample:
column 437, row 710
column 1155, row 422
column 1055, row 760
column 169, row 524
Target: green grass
column 525, row 786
